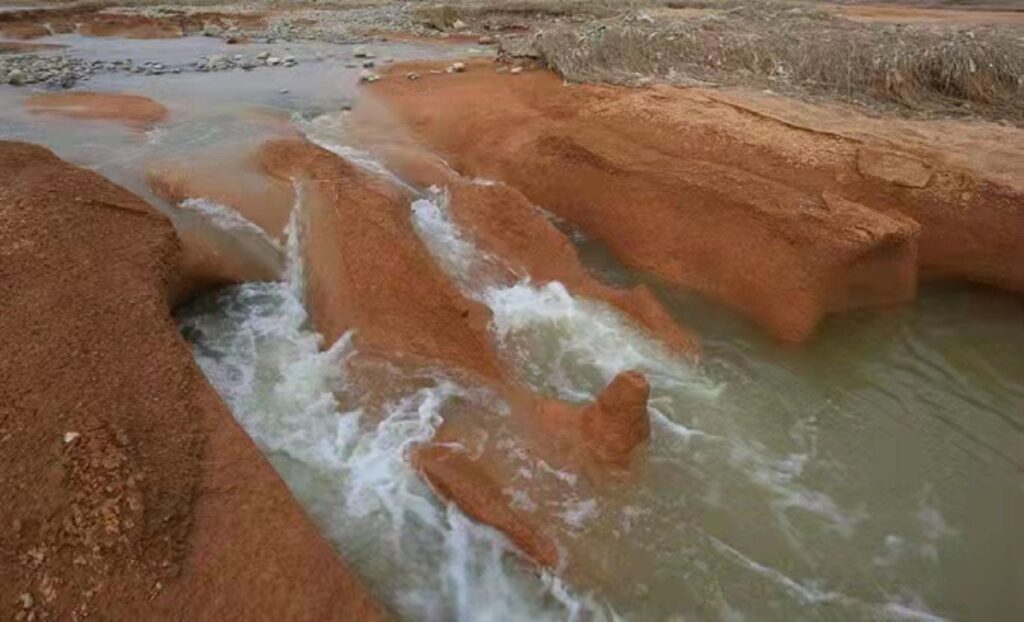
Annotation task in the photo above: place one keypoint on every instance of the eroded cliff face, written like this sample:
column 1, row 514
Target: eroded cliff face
column 127, row 489
column 782, row 221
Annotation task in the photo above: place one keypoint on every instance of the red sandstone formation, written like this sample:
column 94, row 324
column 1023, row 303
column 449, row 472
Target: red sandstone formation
column 617, row 422
column 127, row 489
column 454, row 475
column 506, row 225
column 782, row 222
column 368, row 270
column 132, row 110
column 604, row 433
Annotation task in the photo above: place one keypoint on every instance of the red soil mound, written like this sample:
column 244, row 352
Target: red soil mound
column 131, row 110
column 782, row 223
column 128, row 490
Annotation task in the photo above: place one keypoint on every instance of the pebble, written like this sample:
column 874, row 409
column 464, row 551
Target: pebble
column 487, row 40
column 273, row 60
column 368, row 63
column 457, row 67
column 368, row 76
column 263, row 56
column 412, row 75
column 360, row 52
column 517, row 70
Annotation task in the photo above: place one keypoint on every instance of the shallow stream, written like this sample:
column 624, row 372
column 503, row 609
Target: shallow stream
column 873, row 474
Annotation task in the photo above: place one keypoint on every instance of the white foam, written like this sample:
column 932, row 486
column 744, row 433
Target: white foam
column 228, row 220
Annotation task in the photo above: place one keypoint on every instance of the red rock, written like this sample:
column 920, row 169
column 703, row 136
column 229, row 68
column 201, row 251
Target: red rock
column 617, row 422
column 722, row 200
column 455, row 476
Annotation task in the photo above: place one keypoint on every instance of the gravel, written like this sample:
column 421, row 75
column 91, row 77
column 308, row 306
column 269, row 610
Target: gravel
column 63, row 71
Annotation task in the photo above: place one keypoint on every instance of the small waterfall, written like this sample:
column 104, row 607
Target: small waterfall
column 295, row 235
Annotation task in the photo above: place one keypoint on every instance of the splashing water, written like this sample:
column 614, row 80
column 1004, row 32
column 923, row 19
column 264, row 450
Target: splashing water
column 350, row 466
column 571, row 347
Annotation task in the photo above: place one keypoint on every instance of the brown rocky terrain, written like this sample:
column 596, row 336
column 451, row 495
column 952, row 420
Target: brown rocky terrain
column 127, row 489
column 782, row 221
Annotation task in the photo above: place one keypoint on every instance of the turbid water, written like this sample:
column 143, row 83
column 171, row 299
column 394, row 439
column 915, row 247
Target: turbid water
column 874, row 473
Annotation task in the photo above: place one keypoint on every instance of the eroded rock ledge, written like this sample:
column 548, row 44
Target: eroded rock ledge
column 783, row 221
column 126, row 488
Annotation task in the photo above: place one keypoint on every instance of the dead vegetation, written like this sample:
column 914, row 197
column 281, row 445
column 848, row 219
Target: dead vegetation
column 799, row 48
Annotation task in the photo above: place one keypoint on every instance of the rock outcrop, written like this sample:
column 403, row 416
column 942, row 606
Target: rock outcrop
column 507, row 226
column 783, row 223
column 455, row 476
column 126, row 488
column 615, row 424
column 368, row 271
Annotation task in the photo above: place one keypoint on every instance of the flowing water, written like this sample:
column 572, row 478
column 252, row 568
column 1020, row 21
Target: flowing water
column 874, row 473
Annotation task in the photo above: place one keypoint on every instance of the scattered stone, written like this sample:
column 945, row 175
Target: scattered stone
column 69, row 437
column 457, row 67
column 368, row 76
column 368, row 63
column 283, row 91
column 26, row 600
column 263, row 56
column 16, row 77
column 360, row 52
column 458, row 24
column 412, row 75
column 487, row 40
column 516, row 71
column 273, row 61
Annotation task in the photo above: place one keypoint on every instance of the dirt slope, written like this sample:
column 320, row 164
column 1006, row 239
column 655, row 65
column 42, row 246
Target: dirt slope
column 126, row 489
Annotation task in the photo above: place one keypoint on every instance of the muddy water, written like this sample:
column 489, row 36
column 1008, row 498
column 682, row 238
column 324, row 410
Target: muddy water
column 873, row 474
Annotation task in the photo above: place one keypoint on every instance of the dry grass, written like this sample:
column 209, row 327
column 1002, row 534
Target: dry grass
column 787, row 47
